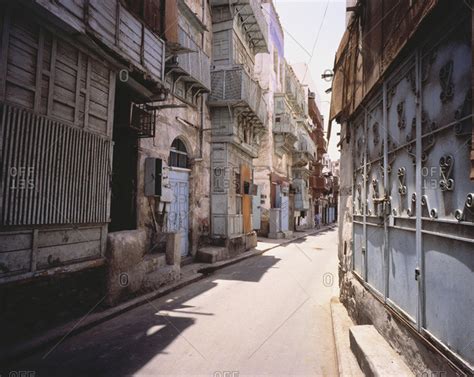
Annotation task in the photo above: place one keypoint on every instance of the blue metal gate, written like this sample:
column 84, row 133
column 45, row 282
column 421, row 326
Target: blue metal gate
column 413, row 213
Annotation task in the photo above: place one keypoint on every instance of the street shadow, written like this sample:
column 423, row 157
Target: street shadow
column 123, row 345
column 250, row 270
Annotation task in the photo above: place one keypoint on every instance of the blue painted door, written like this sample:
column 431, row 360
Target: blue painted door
column 178, row 218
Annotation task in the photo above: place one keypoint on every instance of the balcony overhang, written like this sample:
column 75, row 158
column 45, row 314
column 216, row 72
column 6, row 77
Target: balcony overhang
column 301, row 158
column 250, row 19
column 180, row 73
column 187, row 12
column 283, row 144
column 234, row 88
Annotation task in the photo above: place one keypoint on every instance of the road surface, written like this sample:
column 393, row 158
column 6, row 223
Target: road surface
column 268, row 315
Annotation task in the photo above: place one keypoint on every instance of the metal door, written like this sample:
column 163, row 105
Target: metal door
column 256, row 215
column 178, row 218
column 413, row 220
column 402, row 289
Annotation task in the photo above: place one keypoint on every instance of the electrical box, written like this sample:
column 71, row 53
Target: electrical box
column 153, row 176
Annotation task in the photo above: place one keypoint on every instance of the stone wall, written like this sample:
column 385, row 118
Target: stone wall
column 131, row 271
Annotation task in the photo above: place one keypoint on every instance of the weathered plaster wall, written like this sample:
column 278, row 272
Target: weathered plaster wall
column 170, row 128
column 205, row 16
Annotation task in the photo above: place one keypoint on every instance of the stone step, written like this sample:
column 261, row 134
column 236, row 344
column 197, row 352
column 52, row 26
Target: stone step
column 375, row 356
column 288, row 233
column 212, row 254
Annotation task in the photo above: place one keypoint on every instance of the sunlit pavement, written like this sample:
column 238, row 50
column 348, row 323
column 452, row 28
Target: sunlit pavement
column 267, row 315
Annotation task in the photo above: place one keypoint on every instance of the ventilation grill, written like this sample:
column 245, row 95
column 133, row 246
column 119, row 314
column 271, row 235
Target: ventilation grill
column 143, row 120
column 51, row 173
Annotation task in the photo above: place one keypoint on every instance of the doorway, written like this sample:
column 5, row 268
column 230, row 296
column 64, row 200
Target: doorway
column 178, row 217
column 123, row 210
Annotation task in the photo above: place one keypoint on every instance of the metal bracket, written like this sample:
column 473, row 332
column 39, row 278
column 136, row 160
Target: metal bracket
column 432, row 212
column 445, row 79
column 411, row 211
column 402, row 188
column 467, row 214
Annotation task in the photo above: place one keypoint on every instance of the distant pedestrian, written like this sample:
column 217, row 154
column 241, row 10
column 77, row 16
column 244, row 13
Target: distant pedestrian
column 317, row 221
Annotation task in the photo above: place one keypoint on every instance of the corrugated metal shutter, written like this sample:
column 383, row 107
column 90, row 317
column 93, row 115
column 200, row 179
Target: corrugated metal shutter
column 51, row 173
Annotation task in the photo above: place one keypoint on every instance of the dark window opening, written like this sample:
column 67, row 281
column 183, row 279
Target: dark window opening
column 178, row 155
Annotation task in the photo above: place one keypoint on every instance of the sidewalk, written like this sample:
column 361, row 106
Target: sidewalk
column 189, row 274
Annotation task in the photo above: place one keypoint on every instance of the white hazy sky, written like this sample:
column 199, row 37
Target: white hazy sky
column 301, row 21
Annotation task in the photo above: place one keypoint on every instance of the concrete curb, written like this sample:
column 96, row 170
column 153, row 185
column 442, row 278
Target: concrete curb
column 56, row 335
column 375, row 356
column 346, row 362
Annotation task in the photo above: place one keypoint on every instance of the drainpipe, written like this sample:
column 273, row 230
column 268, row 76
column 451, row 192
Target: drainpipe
column 201, row 126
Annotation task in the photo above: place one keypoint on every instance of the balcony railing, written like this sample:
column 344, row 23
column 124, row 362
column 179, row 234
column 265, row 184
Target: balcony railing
column 305, row 151
column 284, row 124
column 193, row 64
column 295, row 92
column 252, row 19
column 108, row 22
column 235, row 87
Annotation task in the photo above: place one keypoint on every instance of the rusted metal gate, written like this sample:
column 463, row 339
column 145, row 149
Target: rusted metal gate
column 413, row 200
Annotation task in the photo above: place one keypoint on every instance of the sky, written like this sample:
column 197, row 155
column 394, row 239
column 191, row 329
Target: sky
column 306, row 26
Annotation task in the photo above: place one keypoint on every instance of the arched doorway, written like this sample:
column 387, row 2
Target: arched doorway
column 178, row 218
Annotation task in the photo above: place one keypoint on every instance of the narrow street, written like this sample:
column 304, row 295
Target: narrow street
column 164, row 165
column 267, row 315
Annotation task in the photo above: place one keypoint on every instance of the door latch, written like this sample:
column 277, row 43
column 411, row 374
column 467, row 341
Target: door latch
column 417, row 273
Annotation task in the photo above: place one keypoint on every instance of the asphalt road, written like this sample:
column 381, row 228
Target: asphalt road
column 268, row 315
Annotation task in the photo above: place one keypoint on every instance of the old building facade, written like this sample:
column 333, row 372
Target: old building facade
column 134, row 135
column 405, row 209
column 105, row 160
column 239, row 118
column 288, row 150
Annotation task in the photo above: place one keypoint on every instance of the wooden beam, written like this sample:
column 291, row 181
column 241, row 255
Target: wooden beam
column 52, row 77
column 39, row 70
column 4, row 51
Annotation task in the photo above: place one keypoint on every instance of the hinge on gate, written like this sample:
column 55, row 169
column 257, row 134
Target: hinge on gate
column 417, row 273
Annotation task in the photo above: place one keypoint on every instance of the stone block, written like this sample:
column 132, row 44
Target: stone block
column 173, row 251
column 250, row 240
column 212, row 254
column 375, row 356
